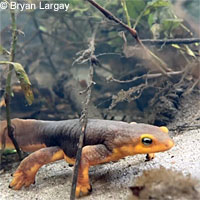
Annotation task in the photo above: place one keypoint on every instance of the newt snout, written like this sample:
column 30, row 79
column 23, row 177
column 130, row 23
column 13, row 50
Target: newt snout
column 169, row 144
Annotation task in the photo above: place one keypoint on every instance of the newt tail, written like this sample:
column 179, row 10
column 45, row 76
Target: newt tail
column 105, row 141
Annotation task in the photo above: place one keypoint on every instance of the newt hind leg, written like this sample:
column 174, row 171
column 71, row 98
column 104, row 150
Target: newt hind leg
column 25, row 173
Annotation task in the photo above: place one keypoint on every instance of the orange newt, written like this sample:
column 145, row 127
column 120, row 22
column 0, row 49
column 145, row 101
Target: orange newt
column 105, row 141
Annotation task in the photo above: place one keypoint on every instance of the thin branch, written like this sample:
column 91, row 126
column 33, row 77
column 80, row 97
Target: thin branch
column 8, row 86
column 3, row 145
column 171, row 41
column 123, row 2
column 188, row 91
column 84, row 116
column 131, row 94
column 8, row 82
column 108, row 54
column 110, row 16
column 140, row 16
column 145, row 76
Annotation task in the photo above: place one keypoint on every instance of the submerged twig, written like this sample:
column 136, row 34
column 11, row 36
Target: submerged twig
column 123, row 2
column 145, row 76
column 129, row 95
column 8, row 86
column 84, row 116
column 110, row 16
column 171, row 41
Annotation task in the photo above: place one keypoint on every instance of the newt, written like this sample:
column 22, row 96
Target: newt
column 105, row 141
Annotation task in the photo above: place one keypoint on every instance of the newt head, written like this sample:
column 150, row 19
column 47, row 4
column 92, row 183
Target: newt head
column 152, row 139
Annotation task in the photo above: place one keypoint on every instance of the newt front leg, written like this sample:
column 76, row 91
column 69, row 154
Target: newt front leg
column 91, row 155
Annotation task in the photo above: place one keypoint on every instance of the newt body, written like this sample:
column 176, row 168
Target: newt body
column 105, row 141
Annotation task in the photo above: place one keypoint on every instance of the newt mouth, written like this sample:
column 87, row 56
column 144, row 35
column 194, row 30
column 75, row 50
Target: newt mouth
column 169, row 144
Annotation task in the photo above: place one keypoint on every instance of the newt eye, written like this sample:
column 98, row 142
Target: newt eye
column 147, row 141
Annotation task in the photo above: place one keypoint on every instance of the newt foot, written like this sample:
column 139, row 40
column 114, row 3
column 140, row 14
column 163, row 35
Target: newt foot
column 83, row 190
column 21, row 178
column 150, row 156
